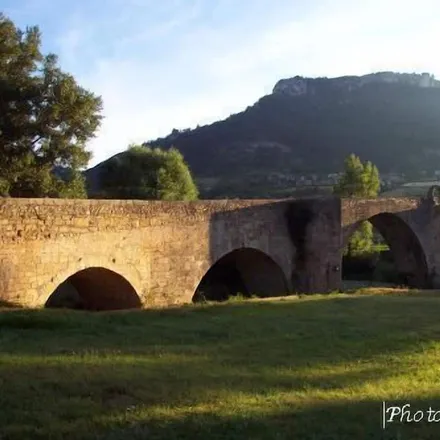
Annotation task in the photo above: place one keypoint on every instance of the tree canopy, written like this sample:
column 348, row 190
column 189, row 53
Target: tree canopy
column 359, row 180
column 46, row 118
column 147, row 173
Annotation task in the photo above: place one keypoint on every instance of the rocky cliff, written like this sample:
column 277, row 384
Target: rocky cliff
column 299, row 85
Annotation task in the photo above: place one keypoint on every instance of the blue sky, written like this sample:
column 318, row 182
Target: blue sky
column 164, row 64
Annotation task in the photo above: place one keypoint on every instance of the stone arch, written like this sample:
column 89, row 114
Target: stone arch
column 405, row 247
column 246, row 270
column 95, row 288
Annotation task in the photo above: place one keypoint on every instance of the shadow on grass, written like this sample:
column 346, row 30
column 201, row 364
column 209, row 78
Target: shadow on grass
column 349, row 420
column 137, row 399
column 9, row 305
column 260, row 370
column 300, row 332
column 33, row 320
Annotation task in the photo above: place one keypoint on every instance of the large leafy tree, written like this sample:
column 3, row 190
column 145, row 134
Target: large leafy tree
column 359, row 180
column 146, row 173
column 46, row 118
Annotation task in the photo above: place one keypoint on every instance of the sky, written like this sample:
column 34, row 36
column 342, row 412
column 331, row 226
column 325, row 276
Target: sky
column 164, row 64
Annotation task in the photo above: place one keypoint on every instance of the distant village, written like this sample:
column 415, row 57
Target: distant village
column 389, row 181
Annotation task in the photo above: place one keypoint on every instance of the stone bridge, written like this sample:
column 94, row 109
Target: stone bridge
column 125, row 254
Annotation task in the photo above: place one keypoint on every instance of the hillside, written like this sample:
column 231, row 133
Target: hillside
column 308, row 126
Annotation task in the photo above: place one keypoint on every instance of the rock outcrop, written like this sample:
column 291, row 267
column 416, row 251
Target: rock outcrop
column 299, row 85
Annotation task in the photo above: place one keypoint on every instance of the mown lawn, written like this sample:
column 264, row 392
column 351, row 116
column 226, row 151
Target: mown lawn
column 310, row 368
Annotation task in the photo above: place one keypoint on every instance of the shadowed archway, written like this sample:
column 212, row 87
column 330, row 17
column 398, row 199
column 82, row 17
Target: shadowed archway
column 405, row 249
column 95, row 288
column 245, row 271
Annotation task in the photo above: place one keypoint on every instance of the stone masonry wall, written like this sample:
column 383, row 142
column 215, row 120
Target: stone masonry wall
column 407, row 226
column 163, row 249
column 315, row 228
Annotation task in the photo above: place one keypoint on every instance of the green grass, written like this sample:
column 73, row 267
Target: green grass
column 309, row 368
column 380, row 247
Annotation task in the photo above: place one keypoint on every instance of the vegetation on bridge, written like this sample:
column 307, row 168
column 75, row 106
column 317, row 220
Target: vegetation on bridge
column 312, row 368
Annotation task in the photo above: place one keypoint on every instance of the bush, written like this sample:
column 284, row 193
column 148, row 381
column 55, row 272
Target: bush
column 359, row 266
column 373, row 266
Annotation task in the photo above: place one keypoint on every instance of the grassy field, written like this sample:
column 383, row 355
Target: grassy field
column 297, row 368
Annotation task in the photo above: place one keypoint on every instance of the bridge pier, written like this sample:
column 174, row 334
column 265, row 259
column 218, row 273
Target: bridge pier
column 315, row 229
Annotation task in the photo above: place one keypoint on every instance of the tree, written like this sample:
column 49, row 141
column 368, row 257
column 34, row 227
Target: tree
column 361, row 242
column 146, row 173
column 46, row 118
column 359, row 180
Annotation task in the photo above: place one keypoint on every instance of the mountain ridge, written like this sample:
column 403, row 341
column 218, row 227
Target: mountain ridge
column 309, row 125
column 299, row 85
